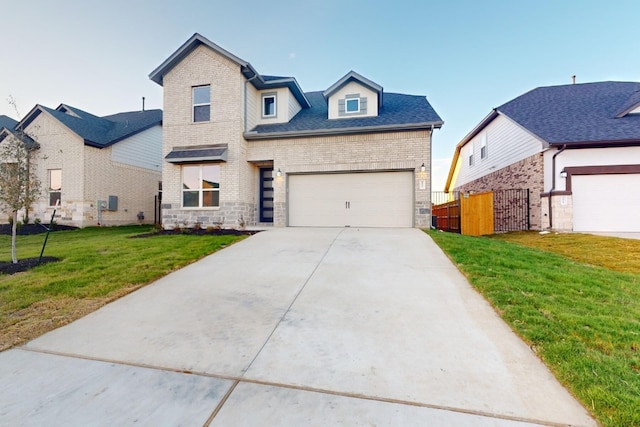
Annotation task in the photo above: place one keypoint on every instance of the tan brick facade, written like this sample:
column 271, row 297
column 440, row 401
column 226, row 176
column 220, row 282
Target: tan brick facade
column 88, row 175
column 525, row 174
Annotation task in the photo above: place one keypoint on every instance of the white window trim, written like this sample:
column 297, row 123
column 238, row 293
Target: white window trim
column 275, row 106
column 346, row 103
column 483, row 146
column 200, row 190
column 202, row 104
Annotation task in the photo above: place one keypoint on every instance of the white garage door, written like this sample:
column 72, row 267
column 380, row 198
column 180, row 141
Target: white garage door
column 380, row 199
column 606, row 203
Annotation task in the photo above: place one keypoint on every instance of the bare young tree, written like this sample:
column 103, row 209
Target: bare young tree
column 19, row 184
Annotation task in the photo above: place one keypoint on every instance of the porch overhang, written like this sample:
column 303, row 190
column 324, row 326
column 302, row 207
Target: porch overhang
column 198, row 154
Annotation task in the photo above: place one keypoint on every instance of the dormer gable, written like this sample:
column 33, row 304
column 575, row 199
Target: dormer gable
column 353, row 96
column 631, row 106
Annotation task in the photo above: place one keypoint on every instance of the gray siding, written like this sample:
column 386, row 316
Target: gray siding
column 142, row 150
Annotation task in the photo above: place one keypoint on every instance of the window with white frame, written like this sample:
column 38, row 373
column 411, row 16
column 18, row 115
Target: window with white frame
column 201, row 186
column 352, row 105
column 269, row 105
column 471, row 158
column 201, row 103
column 483, row 145
column 55, row 186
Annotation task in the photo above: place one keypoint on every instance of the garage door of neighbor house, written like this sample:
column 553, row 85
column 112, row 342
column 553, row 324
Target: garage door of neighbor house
column 606, row 202
column 372, row 199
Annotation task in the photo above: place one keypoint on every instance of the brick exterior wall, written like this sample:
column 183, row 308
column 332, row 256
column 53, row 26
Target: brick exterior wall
column 525, row 174
column 88, row 175
column 239, row 174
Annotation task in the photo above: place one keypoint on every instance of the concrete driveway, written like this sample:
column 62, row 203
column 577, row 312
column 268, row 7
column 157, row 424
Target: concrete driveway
column 291, row 327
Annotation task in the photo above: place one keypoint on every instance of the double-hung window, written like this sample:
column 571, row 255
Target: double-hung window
column 55, row 186
column 201, row 103
column 201, row 186
column 269, row 105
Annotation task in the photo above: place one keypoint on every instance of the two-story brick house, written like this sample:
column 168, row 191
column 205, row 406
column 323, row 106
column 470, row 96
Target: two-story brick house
column 83, row 159
column 241, row 147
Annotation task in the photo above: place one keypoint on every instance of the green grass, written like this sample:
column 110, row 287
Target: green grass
column 97, row 265
column 582, row 318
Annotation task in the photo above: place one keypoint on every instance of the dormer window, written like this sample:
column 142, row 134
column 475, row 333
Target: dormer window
column 352, row 105
column 269, row 105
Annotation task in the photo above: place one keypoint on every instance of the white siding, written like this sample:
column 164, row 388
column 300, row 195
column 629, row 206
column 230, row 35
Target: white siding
column 294, row 107
column 143, row 149
column 252, row 100
column 284, row 98
column 588, row 157
column 506, row 143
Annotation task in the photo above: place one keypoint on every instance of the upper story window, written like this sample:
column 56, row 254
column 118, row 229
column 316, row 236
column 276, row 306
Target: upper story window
column 201, row 103
column 269, row 105
column 55, row 186
column 483, row 146
column 352, row 105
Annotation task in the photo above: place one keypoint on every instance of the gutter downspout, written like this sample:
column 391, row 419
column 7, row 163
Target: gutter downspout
column 553, row 183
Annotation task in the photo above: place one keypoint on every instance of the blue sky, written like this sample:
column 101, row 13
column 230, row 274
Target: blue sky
column 467, row 57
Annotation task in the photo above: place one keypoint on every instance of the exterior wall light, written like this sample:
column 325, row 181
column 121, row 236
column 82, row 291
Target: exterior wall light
column 563, row 174
column 279, row 173
column 423, row 168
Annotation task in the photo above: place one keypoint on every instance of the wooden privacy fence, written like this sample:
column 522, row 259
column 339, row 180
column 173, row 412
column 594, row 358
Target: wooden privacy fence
column 483, row 213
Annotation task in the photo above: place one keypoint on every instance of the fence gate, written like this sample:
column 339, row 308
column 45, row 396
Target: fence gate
column 476, row 217
column 445, row 211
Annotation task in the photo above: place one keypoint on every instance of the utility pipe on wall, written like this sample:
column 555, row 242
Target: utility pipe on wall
column 553, row 183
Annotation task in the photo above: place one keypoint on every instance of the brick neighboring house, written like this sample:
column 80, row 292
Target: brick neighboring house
column 83, row 159
column 244, row 147
column 575, row 147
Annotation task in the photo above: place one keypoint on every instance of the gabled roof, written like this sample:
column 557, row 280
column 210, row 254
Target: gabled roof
column 247, row 70
column 7, row 122
column 97, row 131
column 582, row 114
column 352, row 76
column 400, row 112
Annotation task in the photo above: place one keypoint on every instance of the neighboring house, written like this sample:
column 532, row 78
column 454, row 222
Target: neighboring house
column 240, row 147
column 83, row 159
column 575, row 147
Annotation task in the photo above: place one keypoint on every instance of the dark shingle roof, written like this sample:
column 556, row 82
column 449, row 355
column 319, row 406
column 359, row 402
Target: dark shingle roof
column 582, row 113
column 7, row 122
column 103, row 131
column 399, row 111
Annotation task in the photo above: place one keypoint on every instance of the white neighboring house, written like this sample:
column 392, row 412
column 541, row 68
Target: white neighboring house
column 83, row 159
column 575, row 147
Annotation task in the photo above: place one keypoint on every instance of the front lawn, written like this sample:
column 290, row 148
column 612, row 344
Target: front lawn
column 97, row 265
column 575, row 299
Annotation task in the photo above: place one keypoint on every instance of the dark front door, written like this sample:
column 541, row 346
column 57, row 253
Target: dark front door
column 266, row 194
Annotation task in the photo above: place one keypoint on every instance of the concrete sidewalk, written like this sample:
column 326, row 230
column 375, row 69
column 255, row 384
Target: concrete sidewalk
column 291, row 327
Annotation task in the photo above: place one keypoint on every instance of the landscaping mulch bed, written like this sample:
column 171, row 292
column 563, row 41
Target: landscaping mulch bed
column 7, row 267
column 200, row 232
column 28, row 229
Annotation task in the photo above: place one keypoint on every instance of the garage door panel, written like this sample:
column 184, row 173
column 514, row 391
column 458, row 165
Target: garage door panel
column 606, row 203
column 381, row 199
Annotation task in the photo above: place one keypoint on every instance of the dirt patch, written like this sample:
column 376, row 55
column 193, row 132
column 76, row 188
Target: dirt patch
column 41, row 317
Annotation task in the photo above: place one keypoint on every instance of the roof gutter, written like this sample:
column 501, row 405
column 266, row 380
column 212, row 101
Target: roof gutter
column 553, row 183
column 344, row 131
